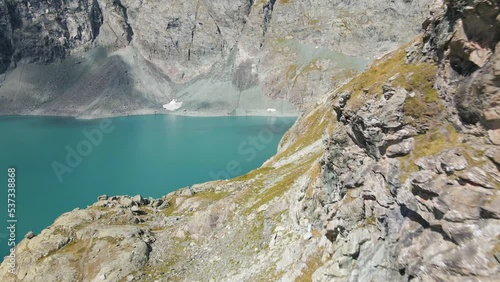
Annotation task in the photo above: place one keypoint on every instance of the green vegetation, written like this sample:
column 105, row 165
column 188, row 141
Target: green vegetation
column 343, row 75
column 313, row 21
column 371, row 220
column 176, row 250
column 311, row 66
column 253, row 174
column 75, row 247
column 171, row 206
column 211, row 195
column 281, row 40
column 374, row 78
column 255, row 233
column 309, row 130
column 425, row 104
column 435, row 141
column 289, row 175
column 348, row 198
column 291, row 71
column 416, row 78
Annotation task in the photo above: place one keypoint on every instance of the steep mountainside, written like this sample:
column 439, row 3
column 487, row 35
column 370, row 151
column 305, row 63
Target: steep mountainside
column 217, row 57
column 392, row 177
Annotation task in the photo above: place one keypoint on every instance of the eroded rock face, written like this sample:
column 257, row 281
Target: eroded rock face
column 438, row 223
column 467, row 36
column 43, row 32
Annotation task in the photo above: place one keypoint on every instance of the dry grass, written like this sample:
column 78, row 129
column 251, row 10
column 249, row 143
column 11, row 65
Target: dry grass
column 313, row 176
column 309, row 130
column 312, row 264
column 417, row 78
column 289, row 175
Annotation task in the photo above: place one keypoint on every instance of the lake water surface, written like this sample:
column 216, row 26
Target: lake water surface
column 63, row 163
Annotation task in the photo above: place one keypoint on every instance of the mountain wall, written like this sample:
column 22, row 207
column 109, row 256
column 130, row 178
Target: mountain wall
column 115, row 57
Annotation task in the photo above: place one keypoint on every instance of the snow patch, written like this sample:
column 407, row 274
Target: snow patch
column 173, row 105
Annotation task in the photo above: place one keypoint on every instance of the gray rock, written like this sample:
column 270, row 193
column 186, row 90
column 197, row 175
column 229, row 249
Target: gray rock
column 102, row 198
column 476, row 176
column 448, row 161
column 391, row 114
column 339, row 105
column 429, row 164
column 401, row 134
column 126, row 202
column 494, row 136
column 29, row 235
column 452, row 160
column 461, row 203
column 494, row 155
column 491, row 207
column 135, row 209
column 156, row 203
column 138, row 200
column 186, row 192
column 401, row 149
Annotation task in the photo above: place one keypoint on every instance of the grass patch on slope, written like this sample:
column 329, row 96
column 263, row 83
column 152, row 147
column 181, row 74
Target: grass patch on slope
column 417, row 78
column 312, row 264
column 290, row 174
column 429, row 144
column 308, row 130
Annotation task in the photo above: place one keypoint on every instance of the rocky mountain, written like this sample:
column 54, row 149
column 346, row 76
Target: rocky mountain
column 394, row 176
column 117, row 57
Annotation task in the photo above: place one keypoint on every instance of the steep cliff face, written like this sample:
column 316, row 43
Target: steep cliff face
column 388, row 178
column 236, row 57
column 47, row 31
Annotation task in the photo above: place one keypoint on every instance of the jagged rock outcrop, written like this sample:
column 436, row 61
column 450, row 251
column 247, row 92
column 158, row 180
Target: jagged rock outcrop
column 387, row 179
column 439, row 222
column 224, row 57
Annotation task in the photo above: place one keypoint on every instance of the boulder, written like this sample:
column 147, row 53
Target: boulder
column 491, row 208
column 451, row 160
column 494, row 136
column 461, row 203
column 401, row 149
column 476, row 176
column 126, row 202
column 138, row 200
column 494, row 155
column 29, row 235
column 102, row 198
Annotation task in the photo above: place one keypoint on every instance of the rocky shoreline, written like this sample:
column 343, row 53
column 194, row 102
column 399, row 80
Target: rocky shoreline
column 262, row 113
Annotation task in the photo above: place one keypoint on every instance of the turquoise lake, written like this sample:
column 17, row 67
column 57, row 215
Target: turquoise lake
column 64, row 163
